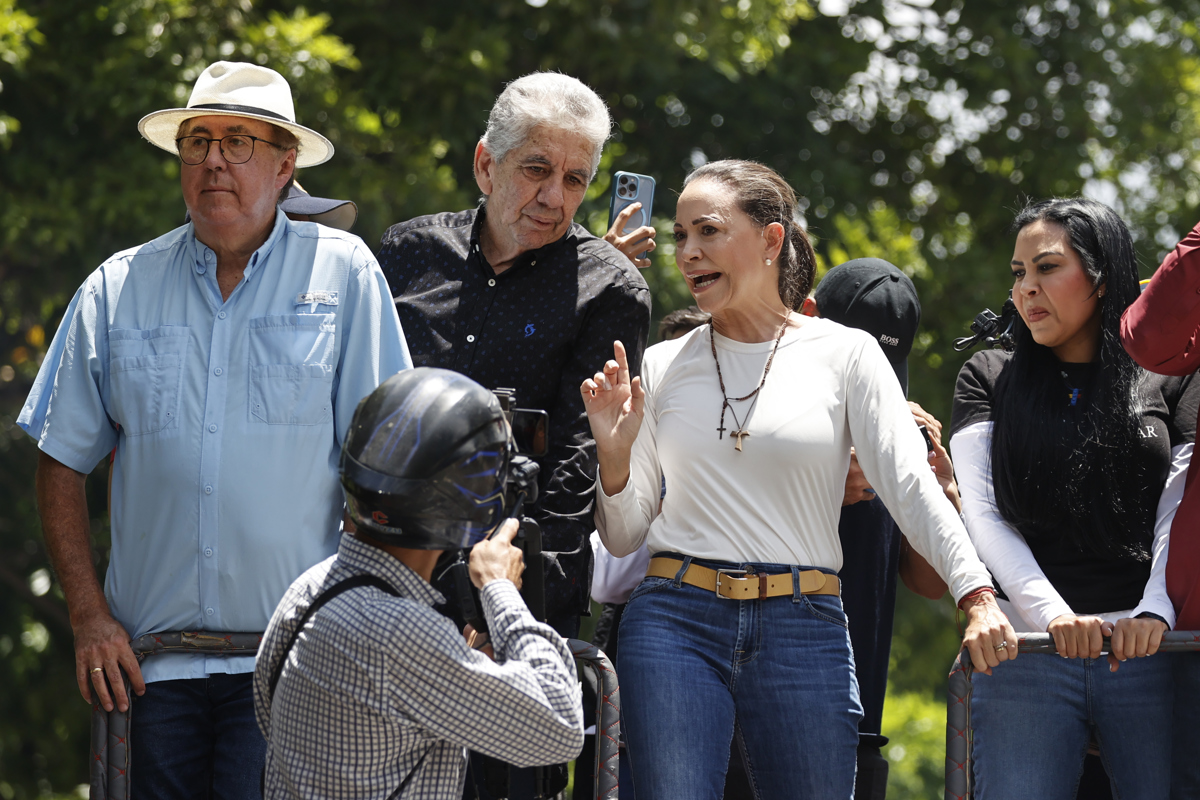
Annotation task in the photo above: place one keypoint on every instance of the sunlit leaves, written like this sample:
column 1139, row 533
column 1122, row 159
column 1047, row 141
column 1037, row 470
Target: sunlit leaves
column 879, row 233
column 738, row 36
column 18, row 33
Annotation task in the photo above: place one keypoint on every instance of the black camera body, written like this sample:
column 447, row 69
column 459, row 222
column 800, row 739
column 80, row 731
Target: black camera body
column 530, row 433
column 530, row 436
column 994, row 330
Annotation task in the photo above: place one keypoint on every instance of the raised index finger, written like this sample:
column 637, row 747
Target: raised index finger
column 622, row 362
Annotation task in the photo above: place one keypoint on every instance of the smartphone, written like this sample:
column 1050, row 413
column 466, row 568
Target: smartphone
column 629, row 188
column 928, row 440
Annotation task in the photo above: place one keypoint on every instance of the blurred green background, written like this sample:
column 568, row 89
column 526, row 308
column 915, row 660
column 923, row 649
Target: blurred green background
column 913, row 129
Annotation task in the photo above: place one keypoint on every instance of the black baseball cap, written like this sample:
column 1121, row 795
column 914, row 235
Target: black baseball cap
column 872, row 295
column 339, row 214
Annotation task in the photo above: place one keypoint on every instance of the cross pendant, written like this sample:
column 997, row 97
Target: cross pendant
column 721, row 431
column 739, row 435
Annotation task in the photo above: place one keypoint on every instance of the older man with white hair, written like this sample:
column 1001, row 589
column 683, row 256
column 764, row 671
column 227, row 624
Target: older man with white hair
column 514, row 293
column 223, row 362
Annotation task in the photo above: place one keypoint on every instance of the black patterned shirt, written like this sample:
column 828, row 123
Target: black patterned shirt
column 540, row 327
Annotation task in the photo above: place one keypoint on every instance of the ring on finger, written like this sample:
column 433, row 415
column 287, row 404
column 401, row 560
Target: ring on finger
column 1002, row 646
column 96, row 669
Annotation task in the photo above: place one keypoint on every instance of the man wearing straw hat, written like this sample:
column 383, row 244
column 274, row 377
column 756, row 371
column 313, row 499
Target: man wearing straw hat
column 223, row 361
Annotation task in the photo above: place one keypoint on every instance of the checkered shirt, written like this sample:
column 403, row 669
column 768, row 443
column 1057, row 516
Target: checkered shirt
column 377, row 686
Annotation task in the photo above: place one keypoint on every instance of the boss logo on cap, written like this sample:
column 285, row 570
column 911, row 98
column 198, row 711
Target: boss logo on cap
column 892, row 340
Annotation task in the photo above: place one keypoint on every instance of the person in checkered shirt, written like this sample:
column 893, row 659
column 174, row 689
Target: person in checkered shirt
column 364, row 690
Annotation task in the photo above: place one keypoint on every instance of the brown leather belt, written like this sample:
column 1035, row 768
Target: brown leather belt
column 740, row 584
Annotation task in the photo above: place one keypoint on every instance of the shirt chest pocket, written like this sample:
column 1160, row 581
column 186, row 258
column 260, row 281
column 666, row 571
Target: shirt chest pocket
column 146, row 377
column 291, row 368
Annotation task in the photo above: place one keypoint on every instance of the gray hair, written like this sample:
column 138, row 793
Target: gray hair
column 550, row 99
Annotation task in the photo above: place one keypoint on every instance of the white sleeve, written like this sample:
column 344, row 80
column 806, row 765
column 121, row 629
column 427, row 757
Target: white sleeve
column 623, row 519
column 614, row 579
column 894, row 460
column 1155, row 599
column 1001, row 547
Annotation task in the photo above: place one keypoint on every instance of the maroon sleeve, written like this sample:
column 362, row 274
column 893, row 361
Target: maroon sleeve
column 1161, row 329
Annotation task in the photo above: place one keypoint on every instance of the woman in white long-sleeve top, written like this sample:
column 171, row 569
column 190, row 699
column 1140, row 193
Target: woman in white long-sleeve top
column 751, row 420
column 1071, row 461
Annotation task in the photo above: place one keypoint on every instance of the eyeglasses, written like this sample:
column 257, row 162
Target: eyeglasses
column 236, row 149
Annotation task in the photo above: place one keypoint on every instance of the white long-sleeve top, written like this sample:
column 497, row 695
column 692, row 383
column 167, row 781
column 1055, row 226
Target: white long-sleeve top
column 613, row 578
column 779, row 499
column 1033, row 602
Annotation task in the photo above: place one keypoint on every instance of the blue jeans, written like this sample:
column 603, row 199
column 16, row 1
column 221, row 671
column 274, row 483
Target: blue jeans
column 694, row 665
column 1033, row 718
column 196, row 738
column 1185, row 763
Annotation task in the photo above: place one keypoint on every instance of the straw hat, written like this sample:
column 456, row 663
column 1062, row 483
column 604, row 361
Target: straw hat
column 236, row 89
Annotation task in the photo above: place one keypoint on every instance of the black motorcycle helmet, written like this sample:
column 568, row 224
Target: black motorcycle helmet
column 426, row 461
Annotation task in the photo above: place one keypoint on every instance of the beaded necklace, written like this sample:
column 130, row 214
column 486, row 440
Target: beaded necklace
column 740, row 432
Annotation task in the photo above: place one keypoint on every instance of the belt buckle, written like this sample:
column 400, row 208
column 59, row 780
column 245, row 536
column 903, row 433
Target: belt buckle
column 721, row 572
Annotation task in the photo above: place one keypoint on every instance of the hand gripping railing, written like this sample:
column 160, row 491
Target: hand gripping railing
column 109, row 763
column 608, row 718
column 958, row 705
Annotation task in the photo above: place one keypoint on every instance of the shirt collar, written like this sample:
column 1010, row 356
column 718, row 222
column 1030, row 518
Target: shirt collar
column 204, row 259
column 544, row 252
column 358, row 555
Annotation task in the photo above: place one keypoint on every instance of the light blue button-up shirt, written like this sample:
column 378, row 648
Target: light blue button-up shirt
column 227, row 418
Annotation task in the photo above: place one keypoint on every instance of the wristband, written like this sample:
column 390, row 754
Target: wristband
column 976, row 594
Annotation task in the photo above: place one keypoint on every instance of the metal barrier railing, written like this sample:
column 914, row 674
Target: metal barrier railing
column 110, row 742
column 958, row 704
column 608, row 718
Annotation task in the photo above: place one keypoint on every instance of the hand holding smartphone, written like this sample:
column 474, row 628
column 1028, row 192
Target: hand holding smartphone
column 629, row 221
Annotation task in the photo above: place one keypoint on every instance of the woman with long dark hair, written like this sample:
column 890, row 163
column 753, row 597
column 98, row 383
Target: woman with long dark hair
column 750, row 419
column 1071, row 461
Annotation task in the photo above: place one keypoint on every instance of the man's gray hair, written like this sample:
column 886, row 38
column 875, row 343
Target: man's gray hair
column 550, row 99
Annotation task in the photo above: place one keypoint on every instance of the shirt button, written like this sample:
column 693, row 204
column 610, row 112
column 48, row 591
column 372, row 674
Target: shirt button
column 471, row 337
column 209, row 611
column 208, row 552
column 220, row 315
column 533, row 263
column 208, row 489
column 212, row 428
column 492, row 282
column 218, row 371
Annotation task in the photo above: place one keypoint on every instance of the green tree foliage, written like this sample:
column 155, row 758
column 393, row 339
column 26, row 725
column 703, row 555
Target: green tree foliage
column 916, row 752
column 913, row 129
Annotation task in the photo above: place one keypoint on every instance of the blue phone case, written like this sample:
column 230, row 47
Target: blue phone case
column 629, row 188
